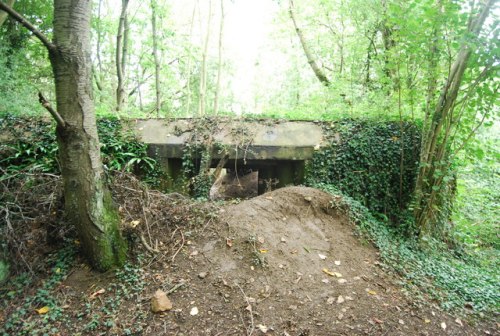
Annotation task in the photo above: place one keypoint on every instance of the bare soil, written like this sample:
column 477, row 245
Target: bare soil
column 284, row 263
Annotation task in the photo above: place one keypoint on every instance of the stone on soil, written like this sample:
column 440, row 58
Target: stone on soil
column 160, row 302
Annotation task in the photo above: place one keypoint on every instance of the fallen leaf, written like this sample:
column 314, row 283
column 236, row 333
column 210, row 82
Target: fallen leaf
column 443, row 325
column 283, row 240
column 269, row 197
column 322, row 256
column 263, row 251
column 134, row 223
column 194, row 311
column 97, row 293
column 372, row 292
column 229, row 242
column 459, row 322
column 325, row 281
column 262, row 328
column 376, row 320
column 338, row 275
column 308, row 198
column 325, row 270
column 401, row 322
column 43, row 310
column 427, row 321
column 342, row 281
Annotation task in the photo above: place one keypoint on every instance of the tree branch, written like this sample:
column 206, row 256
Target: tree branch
column 19, row 18
column 310, row 58
column 45, row 103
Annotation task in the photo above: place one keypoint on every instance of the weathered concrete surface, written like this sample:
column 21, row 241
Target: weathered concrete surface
column 249, row 139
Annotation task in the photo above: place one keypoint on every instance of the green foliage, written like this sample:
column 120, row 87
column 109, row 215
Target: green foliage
column 437, row 272
column 31, row 145
column 373, row 162
column 21, row 321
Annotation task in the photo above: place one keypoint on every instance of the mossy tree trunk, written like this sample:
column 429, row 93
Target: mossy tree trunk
column 88, row 203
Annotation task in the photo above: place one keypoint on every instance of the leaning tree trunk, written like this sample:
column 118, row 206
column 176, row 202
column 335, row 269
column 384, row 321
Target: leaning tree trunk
column 310, row 58
column 4, row 15
column 120, row 55
column 88, row 203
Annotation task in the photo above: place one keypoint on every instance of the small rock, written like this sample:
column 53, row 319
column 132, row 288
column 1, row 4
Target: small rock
column 340, row 316
column 342, row 281
column 160, row 302
column 194, row 311
column 443, row 325
column 340, row 299
column 330, row 300
column 401, row 322
column 337, row 262
column 202, row 275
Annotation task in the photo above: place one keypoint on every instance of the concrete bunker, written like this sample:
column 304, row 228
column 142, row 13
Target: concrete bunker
column 275, row 150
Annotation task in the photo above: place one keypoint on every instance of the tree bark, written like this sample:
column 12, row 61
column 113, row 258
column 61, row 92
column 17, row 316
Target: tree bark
column 203, row 70
column 88, row 203
column 219, row 64
column 121, row 47
column 310, row 58
column 156, row 58
column 5, row 15
column 189, row 61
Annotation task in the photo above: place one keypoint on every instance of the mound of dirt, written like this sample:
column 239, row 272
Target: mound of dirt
column 289, row 263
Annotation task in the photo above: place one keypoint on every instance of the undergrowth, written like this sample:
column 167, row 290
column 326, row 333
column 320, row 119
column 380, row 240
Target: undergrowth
column 31, row 145
column 22, row 321
column 443, row 275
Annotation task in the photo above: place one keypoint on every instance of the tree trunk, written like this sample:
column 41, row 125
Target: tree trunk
column 203, row 70
column 4, row 15
column 219, row 64
column 310, row 58
column 88, row 203
column 121, row 47
column 435, row 150
column 156, row 58
column 189, row 61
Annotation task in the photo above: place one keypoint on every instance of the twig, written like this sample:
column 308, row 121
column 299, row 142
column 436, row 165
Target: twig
column 146, row 245
column 176, row 287
column 180, row 248
column 252, row 325
column 45, row 103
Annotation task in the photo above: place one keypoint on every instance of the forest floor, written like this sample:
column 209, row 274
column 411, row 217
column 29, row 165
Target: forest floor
column 288, row 262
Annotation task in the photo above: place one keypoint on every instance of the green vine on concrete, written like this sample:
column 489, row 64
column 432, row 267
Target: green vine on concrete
column 373, row 162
